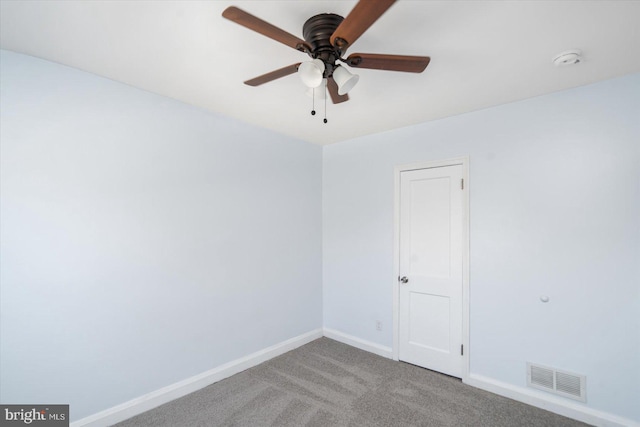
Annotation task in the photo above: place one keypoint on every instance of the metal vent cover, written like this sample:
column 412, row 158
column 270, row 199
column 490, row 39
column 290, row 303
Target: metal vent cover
column 558, row 382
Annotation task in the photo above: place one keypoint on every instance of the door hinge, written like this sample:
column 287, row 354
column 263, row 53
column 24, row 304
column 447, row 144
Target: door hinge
column 462, row 184
column 461, row 349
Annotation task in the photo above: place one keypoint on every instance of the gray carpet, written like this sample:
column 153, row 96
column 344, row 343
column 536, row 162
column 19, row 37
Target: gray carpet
column 327, row 383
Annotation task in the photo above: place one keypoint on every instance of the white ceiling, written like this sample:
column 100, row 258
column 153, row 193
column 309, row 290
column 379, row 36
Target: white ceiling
column 483, row 53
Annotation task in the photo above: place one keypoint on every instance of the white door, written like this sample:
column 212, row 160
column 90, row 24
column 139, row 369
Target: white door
column 430, row 299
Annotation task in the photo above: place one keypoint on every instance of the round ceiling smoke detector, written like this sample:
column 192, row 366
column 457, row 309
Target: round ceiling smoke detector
column 568, row 57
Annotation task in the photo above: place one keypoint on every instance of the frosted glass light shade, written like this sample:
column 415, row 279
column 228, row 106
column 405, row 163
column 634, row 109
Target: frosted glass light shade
column 345, row 80
column 319, row 92
column 311, row 73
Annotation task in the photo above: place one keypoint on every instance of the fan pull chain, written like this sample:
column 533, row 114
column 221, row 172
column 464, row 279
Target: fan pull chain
column 325, row 102
column 325, row 110
column 313, row 102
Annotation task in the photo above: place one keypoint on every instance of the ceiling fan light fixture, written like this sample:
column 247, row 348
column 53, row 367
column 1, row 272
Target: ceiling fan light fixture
column 344, row 79
column 311, row 73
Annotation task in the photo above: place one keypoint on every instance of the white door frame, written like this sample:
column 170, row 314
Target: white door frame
column 464, row 161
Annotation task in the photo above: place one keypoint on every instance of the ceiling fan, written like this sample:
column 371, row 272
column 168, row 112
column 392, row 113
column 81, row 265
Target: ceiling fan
column 327, row 37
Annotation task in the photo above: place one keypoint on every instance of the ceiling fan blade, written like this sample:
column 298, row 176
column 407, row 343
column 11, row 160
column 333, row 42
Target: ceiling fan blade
column 336, row 98
column 245, row 19
column 361, row 17
column 409, row 64
column 266, row 78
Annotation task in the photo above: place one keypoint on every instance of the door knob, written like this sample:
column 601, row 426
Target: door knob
column 404, row 279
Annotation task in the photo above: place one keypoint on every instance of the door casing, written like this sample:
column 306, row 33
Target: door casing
column 464, row 161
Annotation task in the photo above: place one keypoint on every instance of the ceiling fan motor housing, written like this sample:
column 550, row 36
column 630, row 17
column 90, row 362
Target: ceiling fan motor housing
column 317, row 32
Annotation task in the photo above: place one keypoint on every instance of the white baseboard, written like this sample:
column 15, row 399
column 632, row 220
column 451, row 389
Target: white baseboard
column 365, row 345
column 550, row 403
column 166, row 394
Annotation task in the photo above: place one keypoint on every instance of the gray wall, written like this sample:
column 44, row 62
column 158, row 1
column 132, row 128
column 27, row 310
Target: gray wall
column 555, row 210
column 143, row 241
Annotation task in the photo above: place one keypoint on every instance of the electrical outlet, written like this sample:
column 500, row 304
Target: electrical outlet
column 378, row 325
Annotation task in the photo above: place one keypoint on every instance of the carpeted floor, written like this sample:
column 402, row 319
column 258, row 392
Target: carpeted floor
column 327, row 383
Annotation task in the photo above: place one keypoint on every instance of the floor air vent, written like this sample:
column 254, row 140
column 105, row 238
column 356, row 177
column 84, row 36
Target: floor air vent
column 558, row 382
